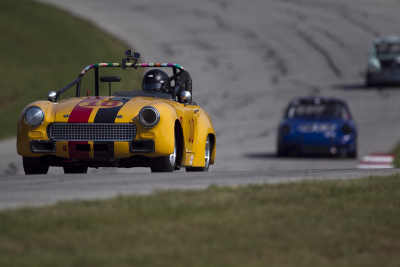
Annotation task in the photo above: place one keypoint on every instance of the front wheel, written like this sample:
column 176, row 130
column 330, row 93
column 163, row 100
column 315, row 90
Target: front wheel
column 353, row 155
column 35, row 165
column 206, row 159
column 164, row 163
column 281, row 152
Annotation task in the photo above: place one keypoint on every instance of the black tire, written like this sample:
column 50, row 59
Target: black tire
column 75, row 169
column 37, row 165
column 280, row 152
column 164, row 163
column 207, row 156
column 352, row 155
column 368, row 81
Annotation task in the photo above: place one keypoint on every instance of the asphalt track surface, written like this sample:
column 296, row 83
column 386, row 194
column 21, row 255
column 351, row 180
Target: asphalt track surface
column 247, row 59
column 23, row 190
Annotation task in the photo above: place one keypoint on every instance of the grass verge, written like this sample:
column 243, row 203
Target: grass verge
column 311, row 223
column 396, row 153
column 42, row 49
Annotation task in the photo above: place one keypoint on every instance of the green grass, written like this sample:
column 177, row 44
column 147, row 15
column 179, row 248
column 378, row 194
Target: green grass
column 42, row 49
column 312, row 223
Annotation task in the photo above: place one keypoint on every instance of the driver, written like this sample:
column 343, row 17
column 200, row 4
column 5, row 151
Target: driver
column 156, row 80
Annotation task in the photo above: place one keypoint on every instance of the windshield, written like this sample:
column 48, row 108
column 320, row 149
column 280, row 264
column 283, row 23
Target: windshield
column 322, row 110
column 388, row 48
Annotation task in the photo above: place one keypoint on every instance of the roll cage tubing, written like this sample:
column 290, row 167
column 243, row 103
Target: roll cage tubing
column 96, row 66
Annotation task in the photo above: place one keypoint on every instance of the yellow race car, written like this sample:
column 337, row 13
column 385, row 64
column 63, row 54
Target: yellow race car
column 158, row 127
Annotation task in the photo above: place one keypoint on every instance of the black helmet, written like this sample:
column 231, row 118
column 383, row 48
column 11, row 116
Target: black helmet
column 156, row 80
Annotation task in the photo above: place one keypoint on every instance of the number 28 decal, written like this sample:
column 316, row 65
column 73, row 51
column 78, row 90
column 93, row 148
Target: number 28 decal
column 100, row 104
column 191, row 127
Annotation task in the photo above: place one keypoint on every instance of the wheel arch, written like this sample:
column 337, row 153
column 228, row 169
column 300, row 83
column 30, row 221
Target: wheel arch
column 213, row 146
column 179, row 144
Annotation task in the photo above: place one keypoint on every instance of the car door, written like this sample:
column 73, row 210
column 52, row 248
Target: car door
column 190, row 123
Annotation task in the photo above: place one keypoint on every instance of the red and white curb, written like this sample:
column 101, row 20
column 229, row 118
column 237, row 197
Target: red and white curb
column 376, row 161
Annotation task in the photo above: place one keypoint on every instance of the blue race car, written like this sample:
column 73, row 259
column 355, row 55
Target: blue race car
column 317, row 126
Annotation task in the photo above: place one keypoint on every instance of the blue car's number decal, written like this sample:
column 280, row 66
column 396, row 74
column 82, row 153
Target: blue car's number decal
column 330, row 134
column 316, row 127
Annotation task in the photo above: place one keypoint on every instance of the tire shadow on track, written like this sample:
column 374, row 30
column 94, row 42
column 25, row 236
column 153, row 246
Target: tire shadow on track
column 363, row 87
column 293, row 157
column 261, row 155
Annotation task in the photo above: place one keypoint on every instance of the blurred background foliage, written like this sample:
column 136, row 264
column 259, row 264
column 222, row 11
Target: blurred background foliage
column 42, row 49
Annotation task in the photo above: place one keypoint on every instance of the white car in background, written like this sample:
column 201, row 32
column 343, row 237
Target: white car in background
column 384, row 61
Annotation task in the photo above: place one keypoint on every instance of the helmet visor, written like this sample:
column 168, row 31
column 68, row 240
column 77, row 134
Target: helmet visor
column 151, row 86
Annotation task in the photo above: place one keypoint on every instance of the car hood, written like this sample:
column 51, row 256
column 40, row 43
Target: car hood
column 102, row 109
column 307, row 125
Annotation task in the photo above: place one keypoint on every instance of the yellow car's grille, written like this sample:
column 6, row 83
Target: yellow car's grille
column 92, row 131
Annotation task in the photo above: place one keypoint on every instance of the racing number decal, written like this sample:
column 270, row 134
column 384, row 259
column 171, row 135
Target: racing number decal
column 89, row 104
column 81, row 112
column 191, row 128
column 189, row 125
column 190, row 131
column 100, row 104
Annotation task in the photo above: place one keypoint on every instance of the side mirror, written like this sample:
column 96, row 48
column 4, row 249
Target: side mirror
column 51, row 96
column 186, row 97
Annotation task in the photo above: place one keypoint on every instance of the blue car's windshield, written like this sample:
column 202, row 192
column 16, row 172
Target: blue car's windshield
column 322, row 110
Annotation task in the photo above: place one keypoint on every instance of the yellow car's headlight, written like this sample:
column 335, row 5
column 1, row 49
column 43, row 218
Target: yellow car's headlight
column 34, row 116
column 149, row 117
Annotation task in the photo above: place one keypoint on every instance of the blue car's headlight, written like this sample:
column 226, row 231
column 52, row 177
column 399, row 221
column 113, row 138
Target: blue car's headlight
column 285, row 129
column 34, row 116
column 346, row 129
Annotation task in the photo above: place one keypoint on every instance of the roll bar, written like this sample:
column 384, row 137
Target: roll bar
column 96, row 66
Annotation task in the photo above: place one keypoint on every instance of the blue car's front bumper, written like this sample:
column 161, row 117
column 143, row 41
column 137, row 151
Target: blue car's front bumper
column 317, row 144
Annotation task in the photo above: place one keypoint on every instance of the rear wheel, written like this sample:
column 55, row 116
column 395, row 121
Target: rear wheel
column 352, row 155
column 164, row 163
column 368, row 83
column 75, row 169
column 37, row 165
column 207, row 157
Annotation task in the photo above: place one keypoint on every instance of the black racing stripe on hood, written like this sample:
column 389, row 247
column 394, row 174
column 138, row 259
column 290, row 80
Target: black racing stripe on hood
column 108, row 115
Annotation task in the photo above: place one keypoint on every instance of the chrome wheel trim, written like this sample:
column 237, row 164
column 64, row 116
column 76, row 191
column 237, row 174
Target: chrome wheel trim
column 208, row 153
column 172, row 157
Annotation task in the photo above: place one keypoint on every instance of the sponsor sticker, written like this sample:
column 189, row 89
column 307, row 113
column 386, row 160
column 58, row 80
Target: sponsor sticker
column 330, row 134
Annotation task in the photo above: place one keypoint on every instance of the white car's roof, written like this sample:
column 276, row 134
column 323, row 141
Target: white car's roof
column 387, row 39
